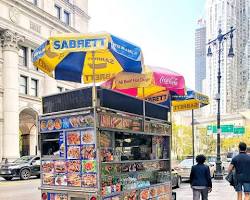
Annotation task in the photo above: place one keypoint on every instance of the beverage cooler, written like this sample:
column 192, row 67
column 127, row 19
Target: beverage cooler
column 112, row 147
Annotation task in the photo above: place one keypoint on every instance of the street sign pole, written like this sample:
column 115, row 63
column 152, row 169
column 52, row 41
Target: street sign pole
column 193, row 134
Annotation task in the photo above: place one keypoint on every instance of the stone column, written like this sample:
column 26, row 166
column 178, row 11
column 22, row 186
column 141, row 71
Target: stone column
column 10, row 49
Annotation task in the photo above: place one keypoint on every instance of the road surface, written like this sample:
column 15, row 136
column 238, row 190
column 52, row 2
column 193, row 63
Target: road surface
column 19, row 189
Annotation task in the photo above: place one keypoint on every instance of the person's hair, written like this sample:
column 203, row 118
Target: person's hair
column 242, row 146
column 200, row 159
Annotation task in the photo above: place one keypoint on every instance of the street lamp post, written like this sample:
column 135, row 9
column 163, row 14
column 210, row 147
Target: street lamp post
column 219, row 40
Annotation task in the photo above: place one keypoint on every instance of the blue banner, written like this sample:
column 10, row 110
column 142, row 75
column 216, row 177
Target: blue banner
column 126, row 49
column 39, row 52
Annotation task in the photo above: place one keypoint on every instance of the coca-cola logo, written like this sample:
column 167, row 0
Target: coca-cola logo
column 169, row 81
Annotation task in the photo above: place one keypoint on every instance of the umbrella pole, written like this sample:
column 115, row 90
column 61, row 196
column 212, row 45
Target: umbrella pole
column 97, row 133
column 94, row 81
column 193, row 134
column 171, row 122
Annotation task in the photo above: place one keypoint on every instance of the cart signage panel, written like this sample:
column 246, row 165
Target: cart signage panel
column 67, row 122
column 73, row 162
column 185, row 105
column 65, row 44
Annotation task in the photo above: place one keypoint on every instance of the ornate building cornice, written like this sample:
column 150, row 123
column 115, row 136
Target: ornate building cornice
column 10, row 40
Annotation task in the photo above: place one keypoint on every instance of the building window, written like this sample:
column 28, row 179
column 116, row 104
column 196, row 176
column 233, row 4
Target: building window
column 35, row 2
column 34, row 88
column 59, row 89
column 22, row 56
column 66, row 17
column 58, row 11
column 23, row 85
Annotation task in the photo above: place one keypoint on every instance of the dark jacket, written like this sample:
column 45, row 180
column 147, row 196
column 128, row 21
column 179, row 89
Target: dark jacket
column 200, row 176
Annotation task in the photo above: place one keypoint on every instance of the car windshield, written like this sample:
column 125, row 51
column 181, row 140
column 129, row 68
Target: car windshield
column 186, row 163
column 229, row 155
column 23, row 159
column 211, row 159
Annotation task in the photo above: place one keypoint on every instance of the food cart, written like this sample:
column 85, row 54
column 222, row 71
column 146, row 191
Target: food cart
column 114, row 148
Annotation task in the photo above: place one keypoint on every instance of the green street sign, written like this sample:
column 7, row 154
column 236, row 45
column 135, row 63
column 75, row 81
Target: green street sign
column 227, row 128
column 224, row 128
column 238, row 130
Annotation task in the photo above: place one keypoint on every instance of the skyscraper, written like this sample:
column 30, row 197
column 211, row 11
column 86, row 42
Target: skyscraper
column 200, row 54
column 243, row 46
column 221, row 14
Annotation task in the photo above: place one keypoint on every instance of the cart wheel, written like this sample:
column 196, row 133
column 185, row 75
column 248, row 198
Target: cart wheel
column 25, row 174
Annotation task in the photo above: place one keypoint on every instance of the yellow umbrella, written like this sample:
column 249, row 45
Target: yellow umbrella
column 81, row 57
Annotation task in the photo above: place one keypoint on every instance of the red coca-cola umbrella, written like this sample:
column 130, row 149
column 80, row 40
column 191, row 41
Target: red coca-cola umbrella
column 154, row 84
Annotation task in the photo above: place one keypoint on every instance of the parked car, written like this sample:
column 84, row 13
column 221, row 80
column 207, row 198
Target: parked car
column 230, row 155
column 176, row 179
column 184, row 168
column 211, row 162
column 23, row 167
column 248, row 150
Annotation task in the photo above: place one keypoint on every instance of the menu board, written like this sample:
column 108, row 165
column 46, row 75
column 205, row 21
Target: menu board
column 120, row 122
column 78, row 168
column 158, row 192
column 67, row 122
column 156, row 127
column 133, row 123
column 162, row 192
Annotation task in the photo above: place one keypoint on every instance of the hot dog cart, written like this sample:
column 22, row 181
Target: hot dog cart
column 116, row 147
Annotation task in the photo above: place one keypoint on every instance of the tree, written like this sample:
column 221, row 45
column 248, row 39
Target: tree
column 229, row 144
column 207, row 142
column 181, row 141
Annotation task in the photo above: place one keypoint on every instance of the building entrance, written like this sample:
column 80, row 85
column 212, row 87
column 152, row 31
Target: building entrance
column 28, row 132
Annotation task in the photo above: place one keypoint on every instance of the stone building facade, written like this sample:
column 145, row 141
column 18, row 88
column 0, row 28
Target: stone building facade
column 24, row 25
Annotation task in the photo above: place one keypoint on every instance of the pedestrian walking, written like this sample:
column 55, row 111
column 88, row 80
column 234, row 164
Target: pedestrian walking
column 200, row 179
column 241, row 164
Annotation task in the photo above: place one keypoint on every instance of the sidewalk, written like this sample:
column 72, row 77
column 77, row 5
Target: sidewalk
column 221, row 191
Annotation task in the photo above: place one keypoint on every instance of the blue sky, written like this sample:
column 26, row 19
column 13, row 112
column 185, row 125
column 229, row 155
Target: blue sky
column 164, row 29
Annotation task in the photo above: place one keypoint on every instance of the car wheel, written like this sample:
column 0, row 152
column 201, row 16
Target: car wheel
column 7, row 178
column 25, row 174
column 178, row 182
